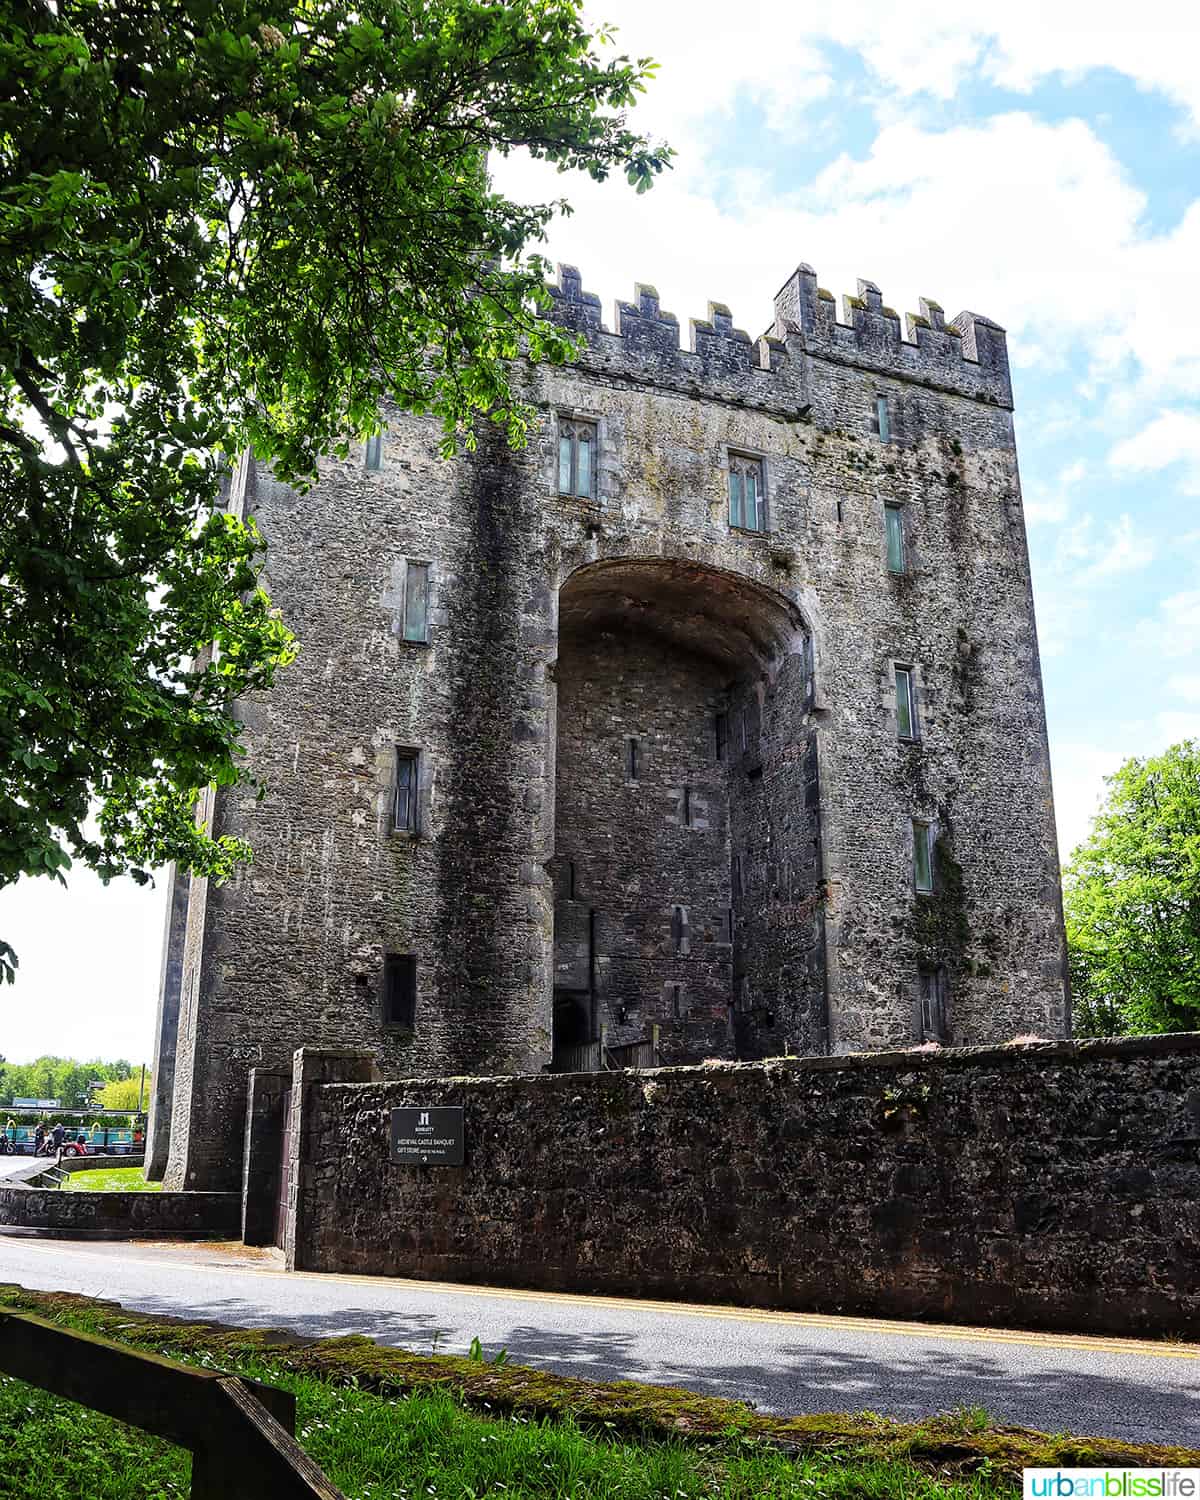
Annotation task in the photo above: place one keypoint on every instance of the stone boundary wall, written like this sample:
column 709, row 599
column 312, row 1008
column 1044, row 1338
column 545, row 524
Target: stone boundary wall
column 1054, row 1184
column 115, row 1216
column 31, row 1175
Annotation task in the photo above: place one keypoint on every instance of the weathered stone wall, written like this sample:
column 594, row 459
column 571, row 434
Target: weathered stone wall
column 629, row 850
column 119, row 1216
column 801, row 625
column 1054, row 1185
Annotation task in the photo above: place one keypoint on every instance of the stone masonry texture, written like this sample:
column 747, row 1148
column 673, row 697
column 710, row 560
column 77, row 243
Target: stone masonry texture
column 1054, row 1184
column 744, row 887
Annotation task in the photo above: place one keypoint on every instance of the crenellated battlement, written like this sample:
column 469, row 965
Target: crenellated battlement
column 968, row 355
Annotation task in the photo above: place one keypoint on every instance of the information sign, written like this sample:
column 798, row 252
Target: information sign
column 36, row 1103
column 428, row 1137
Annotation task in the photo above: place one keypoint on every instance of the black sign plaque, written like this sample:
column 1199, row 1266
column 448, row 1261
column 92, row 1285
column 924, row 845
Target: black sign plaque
column 430, row 1137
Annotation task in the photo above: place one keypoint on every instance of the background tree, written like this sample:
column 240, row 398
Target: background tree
column 62, row 1078
column 124, row 1093
column 226, row 222
column 1132, row 899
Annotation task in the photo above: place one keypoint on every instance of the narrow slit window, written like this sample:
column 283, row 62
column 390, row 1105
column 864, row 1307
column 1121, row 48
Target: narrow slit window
column 675, row 999
column 894, row 520
column 743, row 734
column 735, row 875
column 679, row 929
column 416, row 602
column 631, row 758
column 933, row 1006
column 400, row 990
column 406, row 803
column 721, row 735
column 373, row 457
column 687, row 807
column 906, row 704
column 922, row 856
column 883, row 418
column 576, row 458
column 570, row 880
column 747, row 498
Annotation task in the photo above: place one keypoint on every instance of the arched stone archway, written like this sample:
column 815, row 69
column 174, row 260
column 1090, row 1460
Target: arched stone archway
column 688, row 866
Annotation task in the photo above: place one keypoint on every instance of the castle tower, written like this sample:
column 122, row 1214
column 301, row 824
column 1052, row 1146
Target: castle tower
column 709, row 724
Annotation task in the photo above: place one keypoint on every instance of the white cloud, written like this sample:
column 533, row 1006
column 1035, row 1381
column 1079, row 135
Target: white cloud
column 931, row 47
column 1079, row 770
column 1044, row 507
column 1172, row 437
column 1123, row 550
column 1175, row 632
column 1174, row 725
column 89, row 956
column 1079, row 767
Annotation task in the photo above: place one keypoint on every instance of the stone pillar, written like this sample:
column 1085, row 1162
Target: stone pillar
column 262, row 1154
column 158, row 1128
column 312, row 1066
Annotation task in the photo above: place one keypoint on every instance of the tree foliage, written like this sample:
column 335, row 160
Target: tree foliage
column 1132, row 899
column 125, row 1093
column 62, row 1078
column 231, row 222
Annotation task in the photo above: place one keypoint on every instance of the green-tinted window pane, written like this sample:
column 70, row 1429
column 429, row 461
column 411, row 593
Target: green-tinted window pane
column 895, row 538
column 583, row 474
column 416, row 603
column 904, row 703
column 374, row 456
column 750, row 481
column 735, row 498
column 564, row 463
column 922, row 862
column 406, row 791
column 885, row 429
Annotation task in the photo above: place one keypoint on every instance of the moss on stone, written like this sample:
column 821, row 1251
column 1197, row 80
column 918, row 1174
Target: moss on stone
column 941, row 928
column 947, row 1444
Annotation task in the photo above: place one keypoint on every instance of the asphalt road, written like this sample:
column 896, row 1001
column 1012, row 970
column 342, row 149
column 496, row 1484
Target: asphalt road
column 784, row 1362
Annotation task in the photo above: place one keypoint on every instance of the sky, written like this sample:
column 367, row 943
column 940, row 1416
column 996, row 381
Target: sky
column 1038, row 164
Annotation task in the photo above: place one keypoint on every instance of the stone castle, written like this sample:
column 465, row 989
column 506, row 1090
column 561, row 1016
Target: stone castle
column 709, row 724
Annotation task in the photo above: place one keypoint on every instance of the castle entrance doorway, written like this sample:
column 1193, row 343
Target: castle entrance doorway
column 687, row 818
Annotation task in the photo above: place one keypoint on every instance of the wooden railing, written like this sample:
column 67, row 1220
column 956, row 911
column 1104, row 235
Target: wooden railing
column 582, row 1059
column 598, row 1057
column 239, row 1431
column 640, row 1054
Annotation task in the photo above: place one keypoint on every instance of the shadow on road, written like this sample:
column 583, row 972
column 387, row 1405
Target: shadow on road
column 1022, row 1386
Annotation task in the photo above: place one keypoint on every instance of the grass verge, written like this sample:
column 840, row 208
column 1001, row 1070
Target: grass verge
column 385, row 1423
column 111, row 1180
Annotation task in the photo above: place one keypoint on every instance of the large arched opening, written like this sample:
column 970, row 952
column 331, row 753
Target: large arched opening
column 687, row 856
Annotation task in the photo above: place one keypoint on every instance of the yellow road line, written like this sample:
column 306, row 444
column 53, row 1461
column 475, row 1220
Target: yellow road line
column 934, row 1332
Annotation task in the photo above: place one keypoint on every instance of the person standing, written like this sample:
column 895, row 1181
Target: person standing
column 39, row 1139
column 57, row 1134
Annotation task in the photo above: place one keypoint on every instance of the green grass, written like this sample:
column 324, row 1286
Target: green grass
column 111, row 1180
column 52, row 1450
column 388, row 1424
column 427, row 1446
